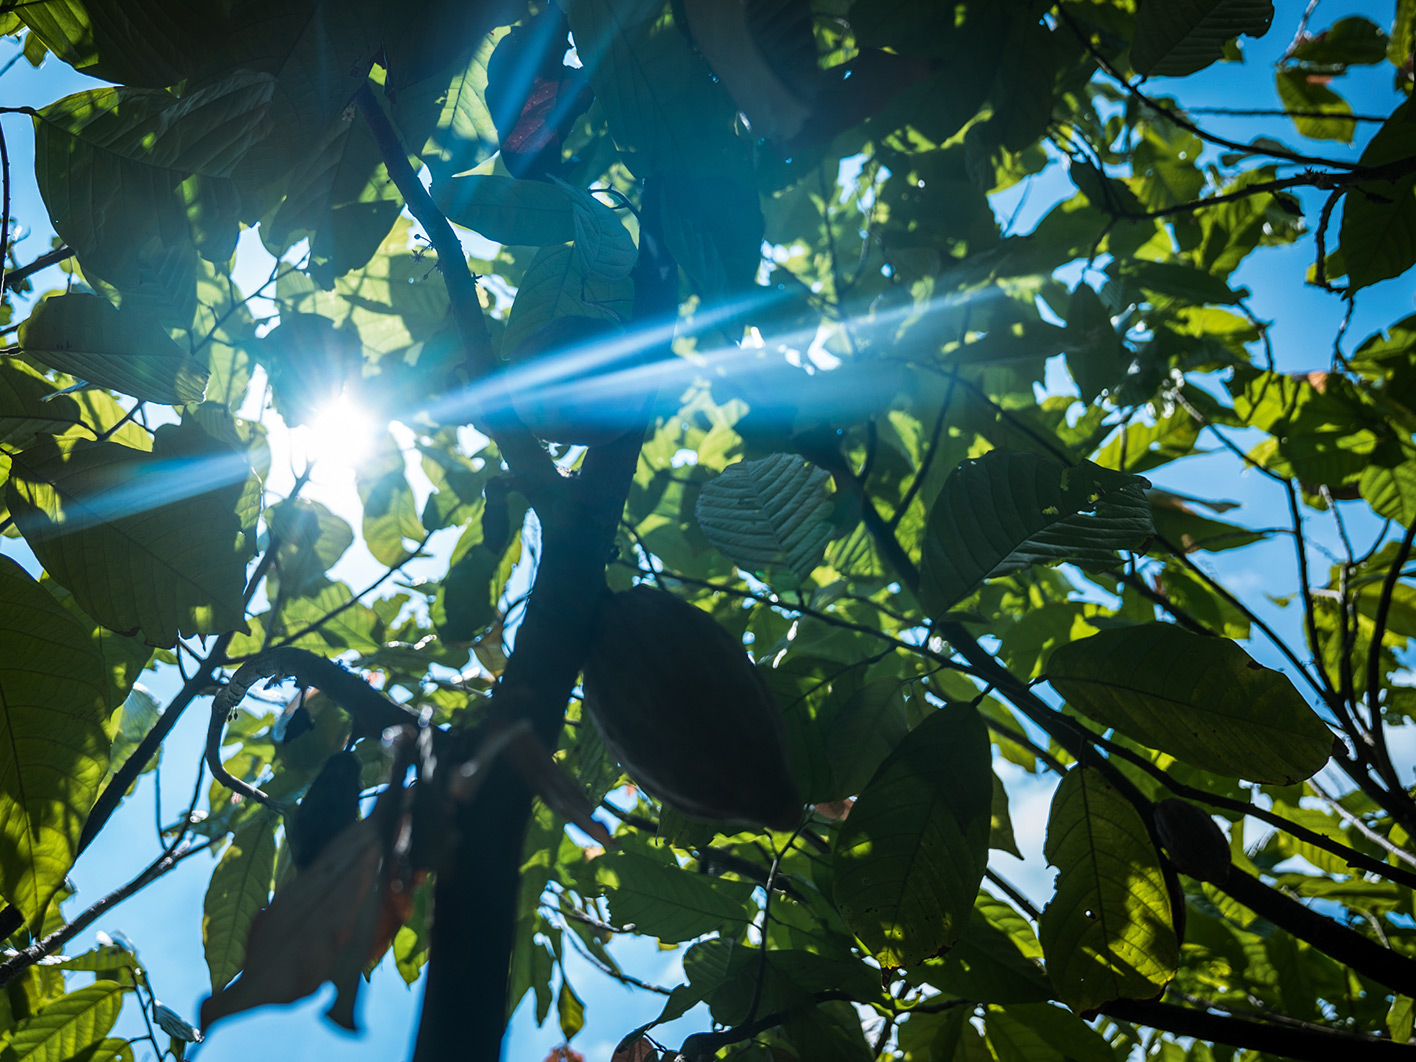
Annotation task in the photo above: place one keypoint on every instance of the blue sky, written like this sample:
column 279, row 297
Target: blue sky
column 165, row 919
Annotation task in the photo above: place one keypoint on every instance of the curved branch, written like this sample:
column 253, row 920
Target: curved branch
column 371, row 711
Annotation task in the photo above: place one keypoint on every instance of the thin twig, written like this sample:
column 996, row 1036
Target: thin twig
column 16, row 964
column 1361, row 827
column 5, row 209
column 44, row 261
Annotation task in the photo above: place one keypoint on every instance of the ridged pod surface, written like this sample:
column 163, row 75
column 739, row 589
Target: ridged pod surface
column 684, row 710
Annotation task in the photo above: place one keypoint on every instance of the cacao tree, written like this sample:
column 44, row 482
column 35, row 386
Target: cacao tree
column 779, row 434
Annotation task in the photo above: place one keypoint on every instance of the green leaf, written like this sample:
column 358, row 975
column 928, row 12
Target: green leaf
column 1178, row 37
column 309, row 541
column 1202, row 700
column 53, row 746
column 1096, row 357
column 837, row 738
column 570, row 1009
column 444, row 115
column 111, row 165
column 1378, row 233
column 555, row 285
column 997, row 959
column 340, row 195
column 768, row 515
column 148, row 43
column 131, row 723
column 1351, row 41
column 1039, row 1032
column 1391, row 492
column 604, row 246
column 239, row 888
column 909, row 858
column 1000, row 833
column 666, row 902
column 123, row 350
column 390, row 514
column 68, row 1026
column 1304, row 89
column 1010, row 509
column 30, row 405
column 665, row 110
column 507, row 210
column 1107, row 933
column 1177, row 521
column 109, row 1049
column 146, row 543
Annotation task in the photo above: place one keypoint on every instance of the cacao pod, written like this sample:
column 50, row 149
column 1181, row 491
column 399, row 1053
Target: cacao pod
column 1192, row 840
column 684, row 710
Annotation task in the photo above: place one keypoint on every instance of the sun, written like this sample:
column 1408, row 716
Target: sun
column 341, row 435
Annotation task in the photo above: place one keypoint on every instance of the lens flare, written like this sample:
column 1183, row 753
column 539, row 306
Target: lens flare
column 341, row 435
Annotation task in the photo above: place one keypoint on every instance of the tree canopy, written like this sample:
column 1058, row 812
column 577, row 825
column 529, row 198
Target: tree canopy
column 742, row 306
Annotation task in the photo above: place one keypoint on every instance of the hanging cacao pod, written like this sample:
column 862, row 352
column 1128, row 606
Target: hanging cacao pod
column 684, row 710
column 1194, row 843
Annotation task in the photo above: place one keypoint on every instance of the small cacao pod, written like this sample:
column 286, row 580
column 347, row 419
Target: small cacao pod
column 1192, row 840
column 684, row 710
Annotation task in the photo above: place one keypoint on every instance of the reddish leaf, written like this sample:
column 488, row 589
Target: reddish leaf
column 638, row 1051
column 321, row 927
column 533, row 146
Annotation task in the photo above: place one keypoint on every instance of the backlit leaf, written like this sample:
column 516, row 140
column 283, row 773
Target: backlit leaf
column 1010, row 509
column 909, row 858
column 88, row 337
column 1202, row 700
column 1107, row 933
column 53, row 746
column 768, row 514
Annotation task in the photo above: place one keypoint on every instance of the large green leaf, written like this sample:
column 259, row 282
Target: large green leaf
column 319, row 52
column 662, row 901
column 123, row 350
column 1178, row 37
column 665, row 110
column 121, row 167
column 769, row 515
column 1107, row 933
column 444, row 114
column 148, row 544
column 67, row 1027
column 53, row 746
column 239, row 888
column 1378, row 234
column 146, row 43
column 556, row 285
column 1202, row 700
column 604, row 245
column 507, row 210
column 1010, row 509
column 341, row 197
column 909, row 859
